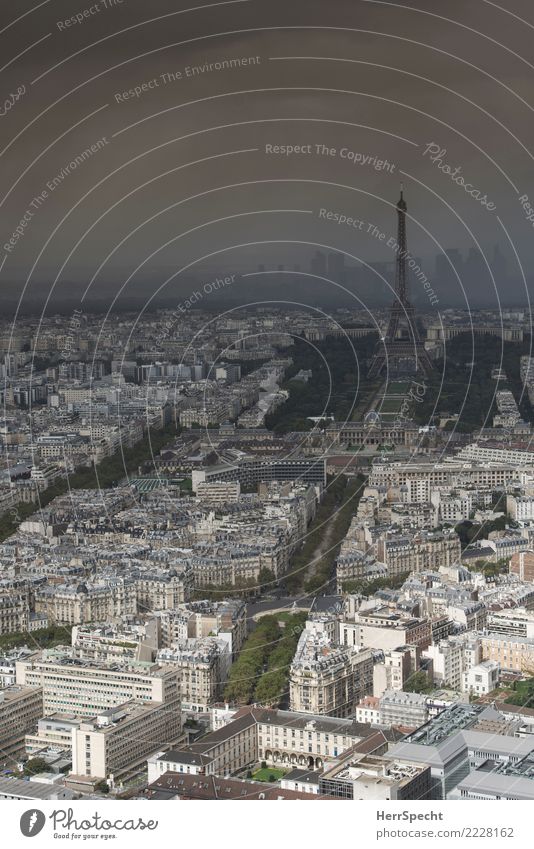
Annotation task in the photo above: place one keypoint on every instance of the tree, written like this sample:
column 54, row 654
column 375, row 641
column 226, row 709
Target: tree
column 102, row 786
column 34, row 766
column 419, row 682
column 266, row 576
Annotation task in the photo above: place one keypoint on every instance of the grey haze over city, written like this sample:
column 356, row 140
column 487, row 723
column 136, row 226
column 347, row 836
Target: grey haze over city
column 182, row 109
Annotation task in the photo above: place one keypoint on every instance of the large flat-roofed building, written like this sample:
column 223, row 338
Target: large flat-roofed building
column 250, row 472
column 495, row 781
column 53, row 732
column 385, row 629
column 376, row 778
column 229, row 749
column 83, row 688
column 20, row 708
column 117, row 741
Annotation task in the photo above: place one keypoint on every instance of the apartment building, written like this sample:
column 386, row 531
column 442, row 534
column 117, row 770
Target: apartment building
column 14, row 607
column 515, row 621
column 328, row 679
column 375, row 778
column 450, row 473
column 204, row 666
column 482, row 678
column 20, row 708
column 117, row 741
column 83, row 688
column 163, row 591
column 87, row 602
column 522, row 565
column 510, row 652
column 401, row 709
column 382, row 628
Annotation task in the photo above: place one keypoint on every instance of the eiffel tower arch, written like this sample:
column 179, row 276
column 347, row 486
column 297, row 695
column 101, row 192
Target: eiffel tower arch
column 401, row 352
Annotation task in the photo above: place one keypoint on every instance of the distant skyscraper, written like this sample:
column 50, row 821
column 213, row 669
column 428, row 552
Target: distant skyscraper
column 318, row 264
column 448, row 265
column 336, row 266
column 498, row 265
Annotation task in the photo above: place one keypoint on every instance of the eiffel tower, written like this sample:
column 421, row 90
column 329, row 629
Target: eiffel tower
column 401, row 351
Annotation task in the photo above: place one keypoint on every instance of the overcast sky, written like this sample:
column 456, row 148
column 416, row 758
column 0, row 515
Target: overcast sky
column 183, row 178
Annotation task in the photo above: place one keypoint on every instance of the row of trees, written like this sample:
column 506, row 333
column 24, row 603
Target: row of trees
column 260, row 673
column 340, row 524
column 338, row 505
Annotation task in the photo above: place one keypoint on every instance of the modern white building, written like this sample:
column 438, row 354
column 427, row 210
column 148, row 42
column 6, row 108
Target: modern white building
column 482, row 678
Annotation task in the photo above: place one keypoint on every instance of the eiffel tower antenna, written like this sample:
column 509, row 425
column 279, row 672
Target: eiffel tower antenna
column 401, row 351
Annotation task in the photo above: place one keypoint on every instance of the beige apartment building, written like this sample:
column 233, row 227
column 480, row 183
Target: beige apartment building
column 117, row 741
column 198, row 619
column 424, row 550
column 204, row 666
column 326, row 679
column 14, row 607
column 20, row 708
column 510, row 652
column 163, row 592
column 82, row 688
column 77, row 604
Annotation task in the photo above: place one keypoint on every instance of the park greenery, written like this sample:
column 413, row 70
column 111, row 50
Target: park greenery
column 456, row 386
column 44, row 638
column 470, row 532
column 523, row 693
column 337, row 382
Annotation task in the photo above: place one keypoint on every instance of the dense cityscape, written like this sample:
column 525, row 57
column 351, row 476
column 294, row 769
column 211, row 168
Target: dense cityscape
column 267, row 421
column 223, row 579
